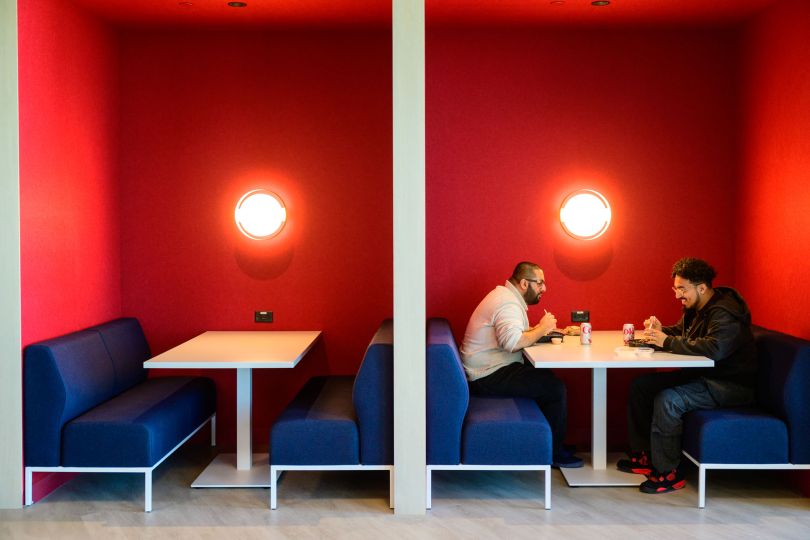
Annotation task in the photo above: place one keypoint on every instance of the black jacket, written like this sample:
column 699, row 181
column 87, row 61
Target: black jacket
column 720, row 331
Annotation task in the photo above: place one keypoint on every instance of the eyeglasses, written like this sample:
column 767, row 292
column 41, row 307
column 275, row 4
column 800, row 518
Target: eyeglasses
column 682, row 290
column 536, row 281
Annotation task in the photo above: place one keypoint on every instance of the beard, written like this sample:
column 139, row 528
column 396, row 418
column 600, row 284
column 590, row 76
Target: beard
column 530, row 297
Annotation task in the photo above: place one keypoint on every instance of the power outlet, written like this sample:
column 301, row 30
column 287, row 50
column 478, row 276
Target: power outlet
column 263, row 316
column 580, row 316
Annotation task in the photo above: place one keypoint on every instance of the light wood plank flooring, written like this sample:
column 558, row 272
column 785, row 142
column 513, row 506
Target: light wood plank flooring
column 466, row 504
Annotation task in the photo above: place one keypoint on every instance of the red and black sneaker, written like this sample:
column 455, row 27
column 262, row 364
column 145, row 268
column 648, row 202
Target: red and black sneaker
column 658, row 482
column 638, row 463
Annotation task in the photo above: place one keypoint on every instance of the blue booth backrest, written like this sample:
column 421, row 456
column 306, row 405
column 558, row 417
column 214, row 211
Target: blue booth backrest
column 62, row 379
column 128, row 350
column 373, row 396
column 784, row 386
column 448, row 395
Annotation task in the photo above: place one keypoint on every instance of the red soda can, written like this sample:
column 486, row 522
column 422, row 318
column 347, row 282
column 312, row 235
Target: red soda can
column 585, row 333
column 629, row 332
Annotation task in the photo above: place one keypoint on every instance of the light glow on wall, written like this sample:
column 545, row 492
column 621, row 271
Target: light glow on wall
column 585, row 214
column 260, row 214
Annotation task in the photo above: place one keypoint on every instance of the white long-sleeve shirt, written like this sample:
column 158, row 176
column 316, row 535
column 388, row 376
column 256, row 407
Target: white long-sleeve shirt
column 493, row 332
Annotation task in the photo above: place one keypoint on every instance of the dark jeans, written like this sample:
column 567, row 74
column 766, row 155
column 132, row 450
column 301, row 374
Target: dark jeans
column 541, row 385
column 658, row 402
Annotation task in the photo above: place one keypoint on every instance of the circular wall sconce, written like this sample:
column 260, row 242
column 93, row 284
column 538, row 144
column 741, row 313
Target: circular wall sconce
column 585, row 214
column 260, row 214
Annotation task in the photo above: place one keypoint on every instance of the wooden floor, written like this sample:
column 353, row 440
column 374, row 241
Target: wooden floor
column 466, row 504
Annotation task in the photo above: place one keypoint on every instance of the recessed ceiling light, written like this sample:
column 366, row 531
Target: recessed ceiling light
column 557, row 2
column 237, row 4
column 600, row 3
column 185, row 4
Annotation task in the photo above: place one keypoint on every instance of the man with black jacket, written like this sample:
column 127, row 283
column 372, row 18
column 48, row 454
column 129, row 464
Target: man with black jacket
column 715, row 323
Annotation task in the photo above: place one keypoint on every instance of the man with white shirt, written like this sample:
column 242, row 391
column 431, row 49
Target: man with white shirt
column 493, row 359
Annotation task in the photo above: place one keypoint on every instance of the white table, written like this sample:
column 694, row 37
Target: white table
column 242, row 351
column 598, row 357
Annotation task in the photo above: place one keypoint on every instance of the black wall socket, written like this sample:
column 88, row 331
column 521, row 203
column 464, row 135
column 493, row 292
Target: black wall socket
column 580, row 316
column 263, row 316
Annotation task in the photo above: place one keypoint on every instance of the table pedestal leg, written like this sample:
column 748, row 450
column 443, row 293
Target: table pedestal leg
column 243, row 418
column 242, row 469
column 599, row 419
column 601, row 471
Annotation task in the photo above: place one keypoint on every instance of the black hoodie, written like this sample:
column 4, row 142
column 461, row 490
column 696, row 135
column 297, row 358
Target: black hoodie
column 721, row 330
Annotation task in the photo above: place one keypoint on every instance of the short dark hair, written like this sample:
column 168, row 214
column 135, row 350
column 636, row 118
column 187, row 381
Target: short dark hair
column 695, row 270
column 524, row 270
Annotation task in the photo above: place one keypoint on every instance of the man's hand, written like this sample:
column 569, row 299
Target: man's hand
column 653, row 323
column 655, row 335
column 530, row 336
column 547, row 323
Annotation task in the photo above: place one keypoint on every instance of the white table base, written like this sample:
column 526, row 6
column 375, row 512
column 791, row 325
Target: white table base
column 600, row 468
column 598, row 459
column 242, row 351
column 244, row 418
column 587, row 476
column 222, row 472
column 599, row 356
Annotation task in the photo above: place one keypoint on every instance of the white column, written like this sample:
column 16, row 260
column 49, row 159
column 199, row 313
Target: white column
column 599, row 423
column 11, row 459
column 244, row 418
column 409, row 255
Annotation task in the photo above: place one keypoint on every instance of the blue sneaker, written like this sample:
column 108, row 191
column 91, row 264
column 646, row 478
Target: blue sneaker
column 565, row 459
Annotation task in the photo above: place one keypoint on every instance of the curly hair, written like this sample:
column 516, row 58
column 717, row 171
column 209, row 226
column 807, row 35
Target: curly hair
column 695, row 270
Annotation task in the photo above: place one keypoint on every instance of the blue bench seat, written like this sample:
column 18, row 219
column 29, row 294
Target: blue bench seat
column 772, row 434
column 140, row 426
column 505, row 431
column 739, row 435
column 340, row 423
column 89, row 407
column 319, row 427
column 477, row 432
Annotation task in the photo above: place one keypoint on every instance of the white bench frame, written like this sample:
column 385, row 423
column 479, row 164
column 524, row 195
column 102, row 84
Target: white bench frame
column 146, row 471
column 703, row 467
column 276, row 470
column 461, row 467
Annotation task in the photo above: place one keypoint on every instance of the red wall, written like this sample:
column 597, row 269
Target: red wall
column 207, row 116
column 774, row 213
column 518, row 119
column 70, row 250
column 775, row 192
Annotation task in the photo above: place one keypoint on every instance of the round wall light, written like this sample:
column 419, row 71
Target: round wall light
column 260, row 214
column 585, row 214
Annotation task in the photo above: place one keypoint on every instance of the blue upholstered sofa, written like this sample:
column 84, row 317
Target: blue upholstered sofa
column 340, row 423
column 773, row 434
column 473, row 432
column 89, row 407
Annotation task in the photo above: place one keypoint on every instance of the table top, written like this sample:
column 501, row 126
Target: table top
column 600, row 354
column 238, row 349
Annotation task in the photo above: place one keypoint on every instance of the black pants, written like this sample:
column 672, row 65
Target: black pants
column 658, row 402
column 539, row 384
